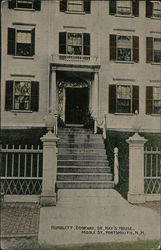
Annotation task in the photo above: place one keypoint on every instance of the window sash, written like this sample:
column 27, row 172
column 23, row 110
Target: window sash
column 74, row 45
column 22, row 95
column 157, row 50
column 77, row 6
column 157, row 9
column 123, row 99
column 124, row 7
column 124, row 48
column 23, row 43
column 28, row 4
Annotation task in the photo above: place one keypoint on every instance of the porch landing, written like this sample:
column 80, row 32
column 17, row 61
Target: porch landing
column 96, row 216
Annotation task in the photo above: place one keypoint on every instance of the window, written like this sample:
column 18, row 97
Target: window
column 24, row 4
column 75, row 6
column 153, row 8
column 153, row 49
column 153, row 100
column 74, row 43
column 22, row 95
column 124, row 7
column 124, row 48
column 21, row 42
column 123, row 99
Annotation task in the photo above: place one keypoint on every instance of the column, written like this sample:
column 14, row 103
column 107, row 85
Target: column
column 48, row 196
column 95, row 93
column 136, row 169
column 53, row 94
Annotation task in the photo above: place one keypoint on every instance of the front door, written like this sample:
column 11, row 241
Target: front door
column 77, row 101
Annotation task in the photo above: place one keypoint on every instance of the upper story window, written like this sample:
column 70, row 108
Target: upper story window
column 74, row 43
column 153, row 8
column 75, row 6
column 123, row 99
column 21, row 42
column 124, row 48
column 24, row 4
column 124, row 7
column 153, row 49
column 22, row 95
column 153, row 100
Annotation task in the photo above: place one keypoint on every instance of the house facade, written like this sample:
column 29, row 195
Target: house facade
column 73, row 57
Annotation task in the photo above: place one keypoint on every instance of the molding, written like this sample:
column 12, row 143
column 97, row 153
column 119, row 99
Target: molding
column 155, row 32
column 74, row 27
column 24, row 24
column 22, row 75
column 128, row 30
column 155, row 81
column 124, row 79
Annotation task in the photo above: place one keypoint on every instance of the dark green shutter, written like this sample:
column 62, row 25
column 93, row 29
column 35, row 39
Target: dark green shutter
column 87, row 6
column 86, row 44
column 135, row 99
column 149, row 100
column 11, row 41
column 112, row 99
column 135, row 48
column 113, row 47
column 135, row 7
column 34, row 96
column 149, row 8
column 63, row 5
column 149, row 49
column 112, row 7
column 33, row 42
column 62, row 43
column 37, row 4
column 11, row 4
column 9, row 96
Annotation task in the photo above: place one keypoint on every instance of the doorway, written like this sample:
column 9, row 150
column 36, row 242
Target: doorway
column 77, row 104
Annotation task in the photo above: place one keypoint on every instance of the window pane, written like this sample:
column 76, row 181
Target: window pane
column 75, row 5
column 22, row 95
column 74, row 44
column 157, row 107
column 124, row 48
column 25, row 4
column 157, row 9
column 156, row 93
column 23, row 40
column 124, row 7
column 157, row 50
column 123, row 94
column 123, row 106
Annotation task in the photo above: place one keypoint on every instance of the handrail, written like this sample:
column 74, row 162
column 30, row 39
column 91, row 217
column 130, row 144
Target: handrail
column 116, row 167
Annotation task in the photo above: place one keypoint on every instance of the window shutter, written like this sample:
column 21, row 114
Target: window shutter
column 112, row 99
column 149, row 49
column 11, row 4
column 86, row 44
column 135, row 7
column 62, row 42
column 149, row 100
column 11, row 41
column 37, row 4
column 63, row 5
column 34, row 96
column 9, row 96
column 33, row 42
column 113, row 47
column 135, row 99
column 149, row 8
column 87, row 6
column 135, row 48
column 112, row 7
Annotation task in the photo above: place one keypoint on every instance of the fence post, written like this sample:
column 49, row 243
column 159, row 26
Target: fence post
column 116, row 167
column 48, row 196
column 136, row 168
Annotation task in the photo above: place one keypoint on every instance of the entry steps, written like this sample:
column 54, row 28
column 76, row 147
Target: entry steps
column 82, row 160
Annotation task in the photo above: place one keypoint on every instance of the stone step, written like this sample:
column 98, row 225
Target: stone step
column 84, row 169
column 82, row 163
column 81, row 157
column 84, row 184
column 83, row 177
column 80, row 140
column 82, row 151
column 75, row 130
column 63, row 135
column 81, row 145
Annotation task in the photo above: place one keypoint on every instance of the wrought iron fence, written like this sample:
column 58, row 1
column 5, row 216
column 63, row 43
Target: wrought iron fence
column 152, row 171
column 21, row 169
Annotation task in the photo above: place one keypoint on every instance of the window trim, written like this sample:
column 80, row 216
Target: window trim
column 36, row 5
